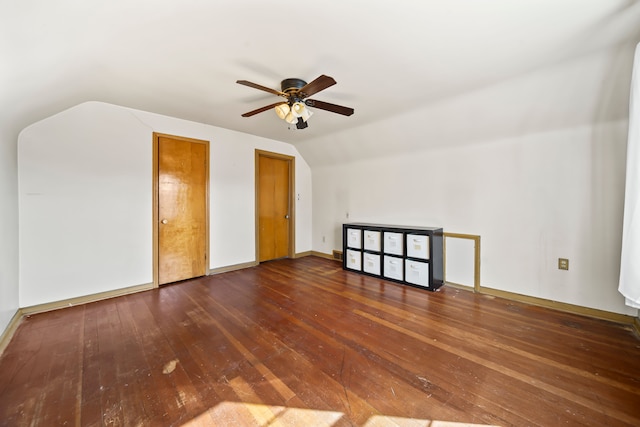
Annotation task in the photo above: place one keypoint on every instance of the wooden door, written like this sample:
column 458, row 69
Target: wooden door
column 275, row 207
column 182, row 199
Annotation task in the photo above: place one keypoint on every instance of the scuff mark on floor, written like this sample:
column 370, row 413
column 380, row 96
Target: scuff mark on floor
column 344, row 386
column 169, row 367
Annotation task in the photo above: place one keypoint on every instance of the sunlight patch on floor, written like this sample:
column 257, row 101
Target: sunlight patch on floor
column 255, row 414
column 385, row 421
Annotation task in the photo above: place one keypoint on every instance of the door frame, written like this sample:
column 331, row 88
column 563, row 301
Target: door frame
column 292, row 201
column 156, row 189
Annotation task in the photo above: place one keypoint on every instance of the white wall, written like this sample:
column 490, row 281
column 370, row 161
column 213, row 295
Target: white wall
column 8, row 229
column 85, row 194
column 536, row 174
column 532, row 199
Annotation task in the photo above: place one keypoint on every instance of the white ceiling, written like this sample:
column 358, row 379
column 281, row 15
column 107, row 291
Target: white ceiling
column 389, row 57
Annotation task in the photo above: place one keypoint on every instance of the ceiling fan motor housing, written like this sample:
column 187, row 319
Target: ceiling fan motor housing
column 289, row 85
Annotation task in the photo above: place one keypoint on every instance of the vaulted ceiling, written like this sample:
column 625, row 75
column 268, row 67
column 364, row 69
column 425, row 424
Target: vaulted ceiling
column 400, row 62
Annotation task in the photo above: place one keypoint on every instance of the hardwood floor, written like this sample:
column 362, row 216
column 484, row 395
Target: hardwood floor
column 304, row 343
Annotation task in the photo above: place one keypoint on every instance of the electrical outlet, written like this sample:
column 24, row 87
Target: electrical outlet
column 563, row 264
column 323, row 239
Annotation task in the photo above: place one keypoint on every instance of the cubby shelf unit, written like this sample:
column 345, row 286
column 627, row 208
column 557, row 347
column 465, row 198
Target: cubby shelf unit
column 404, row 254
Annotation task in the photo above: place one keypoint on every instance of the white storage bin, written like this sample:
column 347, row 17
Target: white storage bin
column 393, row 243
column 393, row 267
column 372, row 240
column 417, row 272
column 354, row 238
column 354, row 260
column 371, row 263
column 418, row 246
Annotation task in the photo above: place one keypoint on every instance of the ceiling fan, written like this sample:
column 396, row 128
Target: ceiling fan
column 296, row 91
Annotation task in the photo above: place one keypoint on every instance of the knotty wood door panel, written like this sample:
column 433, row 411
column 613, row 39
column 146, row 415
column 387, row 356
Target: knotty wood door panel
column 182, row 209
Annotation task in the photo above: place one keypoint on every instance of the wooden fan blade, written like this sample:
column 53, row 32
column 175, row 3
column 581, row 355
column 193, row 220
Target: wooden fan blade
column 345, row 111
column 260, row 110
column 260, row 87
column 321, row 83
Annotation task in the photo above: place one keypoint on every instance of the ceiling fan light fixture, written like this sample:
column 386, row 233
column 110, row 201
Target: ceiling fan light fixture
column 282, row 110
column 294, row 110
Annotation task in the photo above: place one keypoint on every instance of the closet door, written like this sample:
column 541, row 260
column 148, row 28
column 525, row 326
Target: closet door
column 275, row 207
column 182, row 208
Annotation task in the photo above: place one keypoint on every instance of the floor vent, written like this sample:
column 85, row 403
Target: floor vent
column 337, row 255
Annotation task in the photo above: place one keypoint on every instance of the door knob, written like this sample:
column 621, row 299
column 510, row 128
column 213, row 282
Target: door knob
column 164, row 221
column 286, row 216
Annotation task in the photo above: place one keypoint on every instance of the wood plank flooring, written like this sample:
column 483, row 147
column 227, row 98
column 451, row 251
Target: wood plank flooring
column 304, row 343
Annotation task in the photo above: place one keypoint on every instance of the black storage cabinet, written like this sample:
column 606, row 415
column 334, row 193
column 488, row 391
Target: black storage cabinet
column 403, row 254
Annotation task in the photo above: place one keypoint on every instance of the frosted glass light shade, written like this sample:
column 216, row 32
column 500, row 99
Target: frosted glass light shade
column 306, row 114
column 282, row 110
column 291, row 118
column 298, row 109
